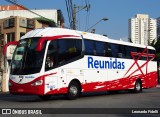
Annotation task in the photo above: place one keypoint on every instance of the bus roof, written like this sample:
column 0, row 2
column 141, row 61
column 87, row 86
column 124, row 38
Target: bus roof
column 47, row 32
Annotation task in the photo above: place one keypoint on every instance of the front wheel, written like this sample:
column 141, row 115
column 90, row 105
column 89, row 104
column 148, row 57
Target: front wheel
column 73, row 91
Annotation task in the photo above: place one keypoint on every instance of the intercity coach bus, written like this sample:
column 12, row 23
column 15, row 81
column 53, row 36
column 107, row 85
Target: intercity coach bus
column 53, row 61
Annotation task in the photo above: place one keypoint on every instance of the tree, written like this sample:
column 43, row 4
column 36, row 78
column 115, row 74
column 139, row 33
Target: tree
column 130, row 40
column 157, row 47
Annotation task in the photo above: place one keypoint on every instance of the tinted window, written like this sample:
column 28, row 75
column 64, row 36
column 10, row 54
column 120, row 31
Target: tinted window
column 122, row 51
column 62, row 51
column 100, row 48
column 152, row 52
column 130, row 49
column 108, row 50
column 115, row 50
column 68, row 49
column 89, row 47
column 26, row 60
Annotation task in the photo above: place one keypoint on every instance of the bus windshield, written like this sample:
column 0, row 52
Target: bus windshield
column 26, row 60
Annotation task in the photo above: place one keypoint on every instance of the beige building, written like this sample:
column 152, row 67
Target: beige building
column 11, row 29
column 14, row 23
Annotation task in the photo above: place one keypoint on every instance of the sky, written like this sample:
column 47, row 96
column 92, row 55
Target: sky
column 117, row 11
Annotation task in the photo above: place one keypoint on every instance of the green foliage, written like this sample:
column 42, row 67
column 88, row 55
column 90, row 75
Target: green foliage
column 152, row 44
column 129, row 39
column 157, row 55
column 50, row 22
column 157, row 47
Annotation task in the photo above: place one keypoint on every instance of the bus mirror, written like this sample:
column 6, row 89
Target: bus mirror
column 9, row 46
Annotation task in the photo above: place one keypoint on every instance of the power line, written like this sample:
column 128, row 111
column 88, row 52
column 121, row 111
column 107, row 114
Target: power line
column 88, row 13
column 80, row 8
column 68, row 12
column 69, row 6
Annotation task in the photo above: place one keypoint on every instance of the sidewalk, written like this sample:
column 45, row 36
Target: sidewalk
column 158, row 85
column 2, row 93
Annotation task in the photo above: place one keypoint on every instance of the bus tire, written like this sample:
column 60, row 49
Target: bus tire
column 73, row 91
column 138, row 86
column 45, row 97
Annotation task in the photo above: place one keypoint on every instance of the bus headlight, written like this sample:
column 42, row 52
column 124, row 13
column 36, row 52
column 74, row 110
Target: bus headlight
column 39, row 82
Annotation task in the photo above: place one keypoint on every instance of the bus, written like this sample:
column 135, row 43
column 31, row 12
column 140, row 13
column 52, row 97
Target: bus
column 52, row 61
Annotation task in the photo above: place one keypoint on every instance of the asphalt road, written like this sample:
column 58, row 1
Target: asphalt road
column 149, row 98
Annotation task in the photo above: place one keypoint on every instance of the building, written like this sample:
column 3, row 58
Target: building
column 158, row 27
column 15, row 22
column 11, row 7
column 152, row 30
column 142, row 29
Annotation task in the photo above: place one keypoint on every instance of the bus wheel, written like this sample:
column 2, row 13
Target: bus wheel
column 73, row 91
column 138, row 86
column 45, row 97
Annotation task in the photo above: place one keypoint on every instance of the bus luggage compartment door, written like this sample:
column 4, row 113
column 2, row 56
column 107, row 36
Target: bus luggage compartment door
column 50, row 84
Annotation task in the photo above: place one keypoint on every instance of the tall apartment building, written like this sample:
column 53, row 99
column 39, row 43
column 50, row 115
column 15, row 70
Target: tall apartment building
column 142, row 29
column 158, row 27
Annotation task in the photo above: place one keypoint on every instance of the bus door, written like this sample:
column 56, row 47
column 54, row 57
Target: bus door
column 51, row 83
column 51, row 80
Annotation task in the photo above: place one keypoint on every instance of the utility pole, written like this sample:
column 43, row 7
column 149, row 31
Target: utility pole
column 87, row 7
column 74, row 17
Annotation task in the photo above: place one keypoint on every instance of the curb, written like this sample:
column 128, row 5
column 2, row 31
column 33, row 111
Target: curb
column 4, row 92
column 158, row 86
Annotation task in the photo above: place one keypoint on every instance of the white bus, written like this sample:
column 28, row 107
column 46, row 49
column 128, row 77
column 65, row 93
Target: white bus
column 62, row 61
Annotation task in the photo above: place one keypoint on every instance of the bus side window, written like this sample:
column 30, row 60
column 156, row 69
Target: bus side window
column 68, row 50
column 51, row 58
column 114, row 50
column 121, row 53
column 89, row 47
column 130, row 49
column 100, row 48
column 152, row 52
column 108, row 50
column 141, row 50
column 128, row 52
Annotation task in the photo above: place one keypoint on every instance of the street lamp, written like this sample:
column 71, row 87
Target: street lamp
column 103, row 19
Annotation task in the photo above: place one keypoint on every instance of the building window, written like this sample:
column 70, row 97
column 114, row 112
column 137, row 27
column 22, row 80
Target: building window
column 22, row 33
column 10, row 37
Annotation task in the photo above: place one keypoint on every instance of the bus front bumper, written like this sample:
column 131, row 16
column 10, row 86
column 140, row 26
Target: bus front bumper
column 25, row 89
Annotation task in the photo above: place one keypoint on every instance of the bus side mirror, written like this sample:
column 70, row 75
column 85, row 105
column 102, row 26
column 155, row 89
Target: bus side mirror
column 8, row 50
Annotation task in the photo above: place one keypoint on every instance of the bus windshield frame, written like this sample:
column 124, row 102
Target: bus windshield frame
column 26, row 60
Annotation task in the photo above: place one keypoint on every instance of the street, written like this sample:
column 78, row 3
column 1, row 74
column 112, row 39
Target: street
column 149, row 98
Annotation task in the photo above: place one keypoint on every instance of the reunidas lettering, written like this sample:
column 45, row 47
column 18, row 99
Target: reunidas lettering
column 105, row 64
